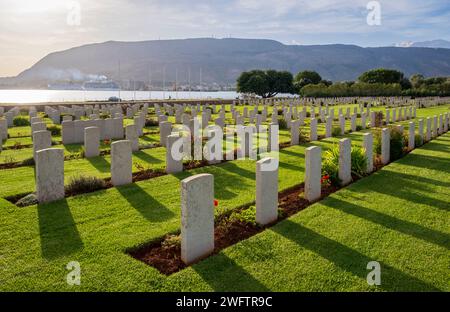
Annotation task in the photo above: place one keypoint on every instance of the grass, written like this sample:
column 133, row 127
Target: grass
column 325, row 247
column 397, row 216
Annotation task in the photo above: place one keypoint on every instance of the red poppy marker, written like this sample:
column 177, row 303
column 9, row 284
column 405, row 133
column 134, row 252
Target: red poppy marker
column 216, row 203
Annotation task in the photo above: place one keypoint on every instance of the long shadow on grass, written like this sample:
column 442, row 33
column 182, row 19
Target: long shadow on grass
column 403, row 226
column 100, row 163
column 418, row 179
column 147, row 158
column 73, row 148
column 223, row 274
column 412, row 191
column 349, row 259
column 150, row 208
column 58, row 232
column 289, row 152
column 224, row 181
column 428, row 162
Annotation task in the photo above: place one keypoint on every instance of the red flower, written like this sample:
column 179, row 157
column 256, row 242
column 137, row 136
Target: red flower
column 216, row 203
column 324, row 179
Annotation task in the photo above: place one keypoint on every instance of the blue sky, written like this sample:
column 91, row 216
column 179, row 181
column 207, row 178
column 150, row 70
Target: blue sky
column 30, row 29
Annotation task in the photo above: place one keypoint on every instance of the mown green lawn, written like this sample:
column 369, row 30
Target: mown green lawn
column 398, row 216
column 95, row 229
column 21, row 180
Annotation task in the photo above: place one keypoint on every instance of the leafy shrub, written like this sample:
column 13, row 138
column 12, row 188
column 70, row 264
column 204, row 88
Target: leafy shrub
column 418, row 140
column 358, row 128
column 282, row 124
column 30, row 199
column 397, row 143
column 330, row 166
column 151, row 123
column 54, row 130
column 336, row 131
column 84, row 184
column 247, row 216
column 378, row 119
column 359, row 161
column 21, row 121
column 171, row 241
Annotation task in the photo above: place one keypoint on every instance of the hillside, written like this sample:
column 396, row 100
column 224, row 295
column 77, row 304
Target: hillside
column 221, row 60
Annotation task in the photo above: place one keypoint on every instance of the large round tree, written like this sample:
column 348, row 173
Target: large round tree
column 265, row 83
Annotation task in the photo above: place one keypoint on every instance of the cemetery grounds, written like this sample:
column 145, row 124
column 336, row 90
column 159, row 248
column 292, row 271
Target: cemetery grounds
column 397, row 216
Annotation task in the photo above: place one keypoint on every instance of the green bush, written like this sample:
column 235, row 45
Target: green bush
column 84, row 184
column 335, row 131
column 379, row 119
column 151, row 122
column 418, row 140
column 247, row 216
column 358, row 128
column 397, row 143
column 359, row 161
column 55, row 130
column 330, row 165
column 21, row 121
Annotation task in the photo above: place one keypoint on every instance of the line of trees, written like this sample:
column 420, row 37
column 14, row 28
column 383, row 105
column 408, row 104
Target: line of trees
column 376, row 82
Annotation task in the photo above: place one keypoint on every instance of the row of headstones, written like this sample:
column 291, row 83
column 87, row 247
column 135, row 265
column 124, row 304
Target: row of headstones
column 294, row 125
column 110, row 128
column 376, row 101
column 121, row 151
column 50, row 161
column 10, row 115
column 197, row 192
column 50, row 167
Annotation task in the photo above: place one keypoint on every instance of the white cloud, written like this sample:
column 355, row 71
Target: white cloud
column 32, row 28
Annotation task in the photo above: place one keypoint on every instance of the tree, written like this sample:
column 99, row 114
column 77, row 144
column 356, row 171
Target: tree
column 416, row 80
column 265, row 83
column 306, row 77
column 381, row 75
column 386, row 76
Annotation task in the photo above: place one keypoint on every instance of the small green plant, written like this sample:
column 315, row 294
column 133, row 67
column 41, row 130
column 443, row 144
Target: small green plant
column 171, row 241
column 54, row 130
column 21, row 121
column 335, row 131
column 418, row 140
column 358, row 128
column 30, row 199
column 282, row 124
column 379, row 119
column 397, row 143
column 359, row 161
column 84, row 184
column 151, row 122
column 330, row 165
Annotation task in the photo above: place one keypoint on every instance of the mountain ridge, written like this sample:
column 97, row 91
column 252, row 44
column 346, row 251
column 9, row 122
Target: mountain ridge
column 222, row 60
